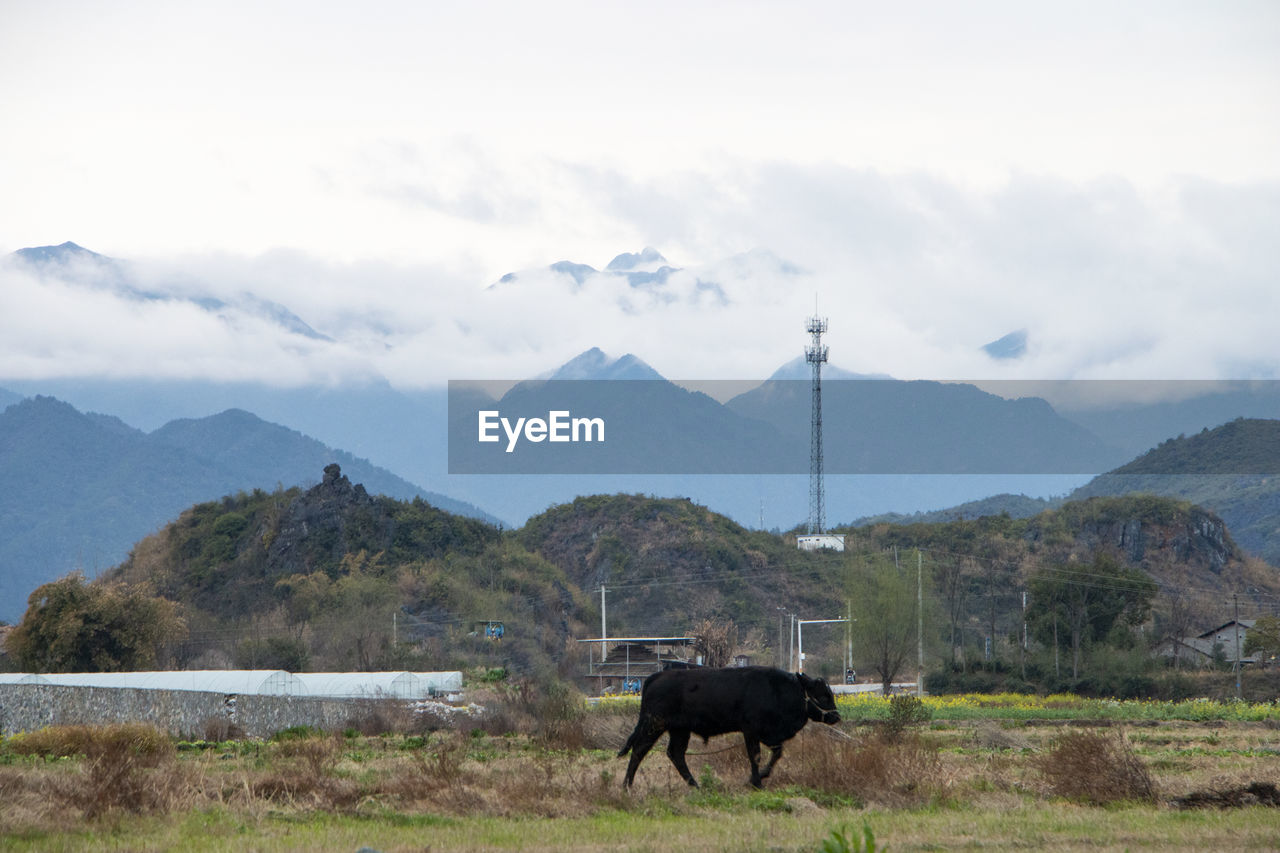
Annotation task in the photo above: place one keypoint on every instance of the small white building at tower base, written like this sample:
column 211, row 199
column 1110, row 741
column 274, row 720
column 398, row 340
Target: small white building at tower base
column 819, row 541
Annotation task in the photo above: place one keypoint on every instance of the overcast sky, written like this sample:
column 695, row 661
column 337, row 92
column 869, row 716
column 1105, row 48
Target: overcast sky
column 1103, row 175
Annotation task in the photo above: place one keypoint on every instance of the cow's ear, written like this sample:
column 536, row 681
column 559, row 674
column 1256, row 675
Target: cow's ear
column 805, row 681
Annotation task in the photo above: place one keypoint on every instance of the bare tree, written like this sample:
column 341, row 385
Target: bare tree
column 1178, row 626
column 716, row 640
column 953, row 580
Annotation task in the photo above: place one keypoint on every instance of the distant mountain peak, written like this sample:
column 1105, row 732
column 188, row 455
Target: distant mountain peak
column 61, row 253
column 596, row 364
column 645, row 269
column 798, row 368
column 631, row 260
column 578, row 272
column 1011, row 346
column 107, row 272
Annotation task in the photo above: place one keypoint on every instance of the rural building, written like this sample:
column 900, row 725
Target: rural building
column 630, row 660
column 1199, row 650
column 820, row 541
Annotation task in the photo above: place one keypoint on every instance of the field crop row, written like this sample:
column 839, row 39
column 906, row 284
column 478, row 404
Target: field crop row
column 1023, row 706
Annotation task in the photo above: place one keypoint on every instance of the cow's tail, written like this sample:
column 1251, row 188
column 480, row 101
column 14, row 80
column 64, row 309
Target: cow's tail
column 626, row 747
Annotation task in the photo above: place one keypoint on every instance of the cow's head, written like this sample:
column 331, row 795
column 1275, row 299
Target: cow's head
column 819, row 701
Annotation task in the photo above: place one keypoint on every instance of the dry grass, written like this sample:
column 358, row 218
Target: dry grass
column 978, row 768
column 898, row 772
column 127, row 768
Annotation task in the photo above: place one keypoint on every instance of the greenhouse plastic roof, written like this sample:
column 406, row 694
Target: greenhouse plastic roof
column 399, row 685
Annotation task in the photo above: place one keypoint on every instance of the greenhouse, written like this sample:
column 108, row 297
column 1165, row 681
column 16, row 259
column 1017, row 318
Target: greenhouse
column 372, row 685
column 265, row 682
column 22, row 678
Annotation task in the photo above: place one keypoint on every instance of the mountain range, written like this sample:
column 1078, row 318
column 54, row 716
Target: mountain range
column 80, row 488
column 945, row 443
column 85, row 487
column 70, row 261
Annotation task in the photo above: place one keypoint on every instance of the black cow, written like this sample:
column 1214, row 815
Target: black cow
column 767, row 705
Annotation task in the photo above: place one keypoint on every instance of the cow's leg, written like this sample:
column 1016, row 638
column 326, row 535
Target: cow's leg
column 775, row 752
column 753, row 755
column 641, row 741
column 677, row 742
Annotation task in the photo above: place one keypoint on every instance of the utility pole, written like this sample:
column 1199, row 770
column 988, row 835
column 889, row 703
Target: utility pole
column 1239, row 663
column 919, row 624
column 604, row 631
column 848, row 639
column 393, row 628
column 1057, row 672
column 1023, row 656
column 782, row 644
column 791, row 646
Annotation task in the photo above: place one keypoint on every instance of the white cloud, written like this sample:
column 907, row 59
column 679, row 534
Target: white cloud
column 1103, row 176
column 915, row 272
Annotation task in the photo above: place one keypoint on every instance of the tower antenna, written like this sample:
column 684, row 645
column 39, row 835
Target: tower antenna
column 816, row 355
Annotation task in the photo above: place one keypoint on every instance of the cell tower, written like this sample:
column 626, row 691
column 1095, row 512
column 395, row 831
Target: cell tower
column 816, row 355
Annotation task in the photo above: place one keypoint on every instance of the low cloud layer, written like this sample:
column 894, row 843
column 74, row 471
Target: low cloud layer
column 915, row 272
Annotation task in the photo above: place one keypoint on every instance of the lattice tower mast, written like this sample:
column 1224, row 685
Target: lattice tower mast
column 816, row 354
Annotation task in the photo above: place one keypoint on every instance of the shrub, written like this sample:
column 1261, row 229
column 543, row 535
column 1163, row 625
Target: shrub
column 121, row 767
column 904, row 710
column 864, row 769
column 145, row 742
column 317, row 753
column 1096, row 768
column 560, row 711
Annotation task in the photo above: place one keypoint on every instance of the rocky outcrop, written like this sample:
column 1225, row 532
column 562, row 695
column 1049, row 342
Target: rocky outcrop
column 315, row 528
column 1147, row 530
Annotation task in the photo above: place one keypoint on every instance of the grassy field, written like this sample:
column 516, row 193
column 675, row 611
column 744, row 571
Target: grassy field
column 1110, row 776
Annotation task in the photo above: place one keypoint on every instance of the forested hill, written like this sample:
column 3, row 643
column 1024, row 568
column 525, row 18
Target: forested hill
column 668, row 563
column 1233, row 470
column 1245, row 446
column 330, row 577
column 226, row 557
column 334, row 578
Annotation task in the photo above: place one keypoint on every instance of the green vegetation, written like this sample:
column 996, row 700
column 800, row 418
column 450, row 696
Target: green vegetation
column 74, row 626
column 843, row 840
column 1242, row 446
column 883, row 602
column 865, row 707
column 1089, row 603
column 336, row 579
column 1264, row 638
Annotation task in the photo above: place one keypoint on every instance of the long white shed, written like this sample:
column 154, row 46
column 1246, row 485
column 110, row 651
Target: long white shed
column 372, row 685
column 267, row 682
column 22, row 678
